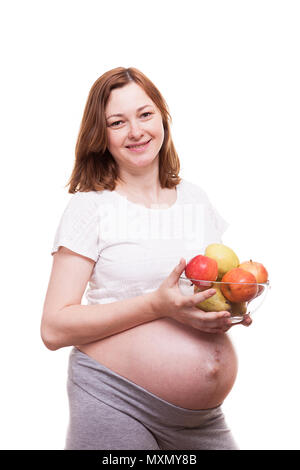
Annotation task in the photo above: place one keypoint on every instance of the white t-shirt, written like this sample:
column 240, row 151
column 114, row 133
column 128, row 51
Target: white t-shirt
column 134, row 247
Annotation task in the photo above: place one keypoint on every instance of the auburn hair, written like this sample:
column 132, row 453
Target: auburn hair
column 95, row 169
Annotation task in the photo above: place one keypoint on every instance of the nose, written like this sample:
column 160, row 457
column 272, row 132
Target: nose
column 135, row 131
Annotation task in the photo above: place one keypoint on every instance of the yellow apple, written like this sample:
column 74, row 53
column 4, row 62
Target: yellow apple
column 225, row 257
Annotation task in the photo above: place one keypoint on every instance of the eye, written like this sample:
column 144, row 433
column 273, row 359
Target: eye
column 116, row 123
column 147, row 112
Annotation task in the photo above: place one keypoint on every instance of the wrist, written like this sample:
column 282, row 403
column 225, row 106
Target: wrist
column 154, row 305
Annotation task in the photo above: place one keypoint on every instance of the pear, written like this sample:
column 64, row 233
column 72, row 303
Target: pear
column 215, row 303
column 238, row 308
column 224, row 256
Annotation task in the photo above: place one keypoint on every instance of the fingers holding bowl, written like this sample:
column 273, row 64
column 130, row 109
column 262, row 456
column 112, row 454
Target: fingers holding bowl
column 247, row 320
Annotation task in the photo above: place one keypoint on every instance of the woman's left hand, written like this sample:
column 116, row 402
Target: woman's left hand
column 246, row 322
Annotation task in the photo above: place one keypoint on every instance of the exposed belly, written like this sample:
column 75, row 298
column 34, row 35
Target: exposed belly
column 176, row 362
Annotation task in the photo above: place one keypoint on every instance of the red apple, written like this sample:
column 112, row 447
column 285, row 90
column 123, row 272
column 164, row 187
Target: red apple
column 201, row 267
column 242, row 285
column 259, row 271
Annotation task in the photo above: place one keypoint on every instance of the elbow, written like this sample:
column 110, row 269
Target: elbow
column 49, row 340
column 50, row 345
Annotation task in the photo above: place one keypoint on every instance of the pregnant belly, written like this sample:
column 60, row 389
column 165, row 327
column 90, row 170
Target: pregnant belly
column 176, row 362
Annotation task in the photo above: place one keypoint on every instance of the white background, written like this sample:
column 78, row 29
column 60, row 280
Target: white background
column 229, row 71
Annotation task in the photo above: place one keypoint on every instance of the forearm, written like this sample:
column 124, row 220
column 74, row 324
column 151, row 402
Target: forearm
column 82, row 324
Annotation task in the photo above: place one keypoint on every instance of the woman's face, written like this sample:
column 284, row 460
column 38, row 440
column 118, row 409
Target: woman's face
column 133, row 119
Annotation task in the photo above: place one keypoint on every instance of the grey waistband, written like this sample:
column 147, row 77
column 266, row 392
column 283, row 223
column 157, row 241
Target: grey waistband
column 124, row 395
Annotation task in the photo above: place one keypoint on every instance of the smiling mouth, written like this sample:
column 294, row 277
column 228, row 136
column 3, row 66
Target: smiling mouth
column 138, row 145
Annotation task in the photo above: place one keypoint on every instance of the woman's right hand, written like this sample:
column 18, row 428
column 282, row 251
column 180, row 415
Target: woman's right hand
column 170, row 302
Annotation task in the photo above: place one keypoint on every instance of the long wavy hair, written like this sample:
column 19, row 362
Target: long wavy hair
column 95, row 169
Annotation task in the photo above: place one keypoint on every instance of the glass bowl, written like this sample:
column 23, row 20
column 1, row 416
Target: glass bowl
column 237, row 310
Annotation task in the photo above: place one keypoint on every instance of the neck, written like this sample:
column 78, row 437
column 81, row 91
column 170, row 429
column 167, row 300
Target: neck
column 146, row 184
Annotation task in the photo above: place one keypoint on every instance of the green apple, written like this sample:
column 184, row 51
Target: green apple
column 224, row 256
column 215, row 303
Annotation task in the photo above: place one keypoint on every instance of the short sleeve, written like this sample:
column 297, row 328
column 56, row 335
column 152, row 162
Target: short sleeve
column 216, row 224
column 78, row 228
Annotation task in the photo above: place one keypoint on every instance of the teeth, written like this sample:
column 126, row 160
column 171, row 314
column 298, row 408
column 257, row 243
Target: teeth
column 137, row 146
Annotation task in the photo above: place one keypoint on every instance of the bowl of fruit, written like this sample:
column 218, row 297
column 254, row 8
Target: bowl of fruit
column 241, row 288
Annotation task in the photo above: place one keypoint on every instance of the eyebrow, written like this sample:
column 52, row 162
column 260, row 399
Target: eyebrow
column 120, row 114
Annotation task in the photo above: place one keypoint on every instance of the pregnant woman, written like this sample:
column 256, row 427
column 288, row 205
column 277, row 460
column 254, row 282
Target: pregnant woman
column 147, row 368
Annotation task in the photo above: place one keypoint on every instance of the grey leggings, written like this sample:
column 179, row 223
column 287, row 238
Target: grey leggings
column 108, row 411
